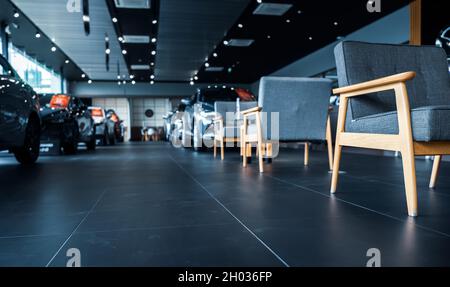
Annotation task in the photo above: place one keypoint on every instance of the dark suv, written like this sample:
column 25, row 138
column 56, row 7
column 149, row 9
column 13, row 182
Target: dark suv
column 20, row 124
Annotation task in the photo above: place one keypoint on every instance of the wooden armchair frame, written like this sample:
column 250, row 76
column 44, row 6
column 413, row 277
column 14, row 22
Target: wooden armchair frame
column 219, row 137
column 264, row 147
column 402, row 142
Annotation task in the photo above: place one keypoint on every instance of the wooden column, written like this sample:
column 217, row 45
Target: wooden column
column 415, row 14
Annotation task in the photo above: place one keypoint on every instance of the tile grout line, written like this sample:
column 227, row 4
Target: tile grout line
column 229, row 212
column 359, row 206
column 76, row 228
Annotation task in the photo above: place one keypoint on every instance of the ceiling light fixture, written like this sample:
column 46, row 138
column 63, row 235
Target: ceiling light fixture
column 206, row 64
column 132, row 77
column 133, row 82
column 83, row 76
column 225, row 43
column 16, row 14
column 153, row 52
column 124, row 52
column 196, row 78
column 335, row 23
column 153, row 40
column 240, row 25
column 38, row 35
column 53, row 49
column 310, row 38
column 90, row 82
column 155, row 22
column 120, row 39
column 152, row 64
column 114, row 20
column 288, row 21
column 108, row 51
column 192, row 83
column 67, row 62
column 215, row 55
column 152, row 82
column 152, row 77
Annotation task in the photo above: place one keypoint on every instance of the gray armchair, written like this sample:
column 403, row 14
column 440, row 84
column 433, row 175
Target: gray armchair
column 300, row 105
column 227, row 124
column 404, row 106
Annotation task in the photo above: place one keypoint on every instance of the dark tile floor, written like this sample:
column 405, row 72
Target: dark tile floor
column 154, row 205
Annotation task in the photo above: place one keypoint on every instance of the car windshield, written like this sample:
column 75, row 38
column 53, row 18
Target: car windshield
column 212, row 96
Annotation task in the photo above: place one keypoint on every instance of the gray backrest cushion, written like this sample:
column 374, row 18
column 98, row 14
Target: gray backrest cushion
column 222, row 108
column 301, row 103
column 358, row 62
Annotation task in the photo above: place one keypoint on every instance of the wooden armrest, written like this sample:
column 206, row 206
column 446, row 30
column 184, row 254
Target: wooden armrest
column 398, row 78
column 252, row 110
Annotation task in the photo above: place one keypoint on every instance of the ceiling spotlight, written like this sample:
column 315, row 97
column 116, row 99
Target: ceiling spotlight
column 133, row 82
column 67, row 62
column 132, row 77
column 118, row 77
column 53, row 40
column 124, row 82
column 124, row 52
column 310, row 38
column 225, row 43
column 152, row 82
column 38, row 35
column 120, row 39
column 335, row 23
column 119, row 83
column 53, row 49
column 155, row 21
column 191, row 83
column 152, row 64
column 299, row 12
column 268, row 36
column 240, row 25
column 215, row 55
column 153, row 40
column 108, row 51
column 196, row 78
column 16, row 14
column 152, row 77
column 86, row 18
column 206, row 64
column 153, row 52
column 114, row 20
column 259, row 1
column 83, row 76
column 288, row 21
column 90, row 82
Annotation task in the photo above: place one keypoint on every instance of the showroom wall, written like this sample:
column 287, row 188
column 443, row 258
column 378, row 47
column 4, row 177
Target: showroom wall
column 121, row 106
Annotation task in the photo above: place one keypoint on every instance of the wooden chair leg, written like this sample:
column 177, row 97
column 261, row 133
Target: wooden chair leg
column 260, row 156
column 409, row 172
column 329, row 144
column 336, row 162
column 222, row 149
column 435, row 172
column 306, row 160
column 244, row 155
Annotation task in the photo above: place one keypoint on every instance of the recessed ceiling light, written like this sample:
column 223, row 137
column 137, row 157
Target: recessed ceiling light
column 119, row 83
column 124, row 82
column 53, row 40
column 206, row 64
column 67, row 62
column 224, row 87
column 288, row 21
column 124, row 52
column 16, row 14
column 225, row 43
column 335, row 23
column 131, row 76
column 53, row 49
column 196, row 78
column 152, row 64
column 153, row 52
column 153, row 40
column 192, row 83
column 240, row 25
column 118, row 77
column 133, row 82
column 90, row 82
column 86, row 18
column 152, row 82
column 299, row 12
column 310, row 38
column 108, row 51
column 114, row 20
column 259, row 1
column 152, row 77
column 83, row 76
column 38, row 35
column 215, row 55
column 155, row 21
column 120, row 39
column 268, row 36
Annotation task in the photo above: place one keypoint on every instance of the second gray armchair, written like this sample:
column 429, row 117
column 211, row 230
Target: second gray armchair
column 289, row 110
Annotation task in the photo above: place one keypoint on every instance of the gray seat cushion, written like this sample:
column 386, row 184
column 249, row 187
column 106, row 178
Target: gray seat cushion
column 430, row 123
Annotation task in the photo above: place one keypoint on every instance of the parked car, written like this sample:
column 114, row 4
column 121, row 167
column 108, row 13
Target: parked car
column 67, row 120
column 20, row 124
column 104, row 128
column 168, row 125
column 199, row 113
column 443, row 40
column 119, row 129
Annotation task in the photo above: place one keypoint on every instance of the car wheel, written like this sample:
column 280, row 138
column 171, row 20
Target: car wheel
column 29, row 152
column 106, row 139
column 70, row 141
column 112, row 139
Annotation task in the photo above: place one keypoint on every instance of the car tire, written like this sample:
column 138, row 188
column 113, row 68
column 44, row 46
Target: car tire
column 105, row 139
column 29, row 152
column 112, row 140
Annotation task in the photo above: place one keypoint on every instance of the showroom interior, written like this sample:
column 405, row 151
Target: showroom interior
column 224, row 133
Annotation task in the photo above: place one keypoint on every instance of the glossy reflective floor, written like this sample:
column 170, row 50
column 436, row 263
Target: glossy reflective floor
column 154, row 205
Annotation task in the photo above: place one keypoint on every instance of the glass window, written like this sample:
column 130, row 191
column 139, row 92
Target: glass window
column 42, row 79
